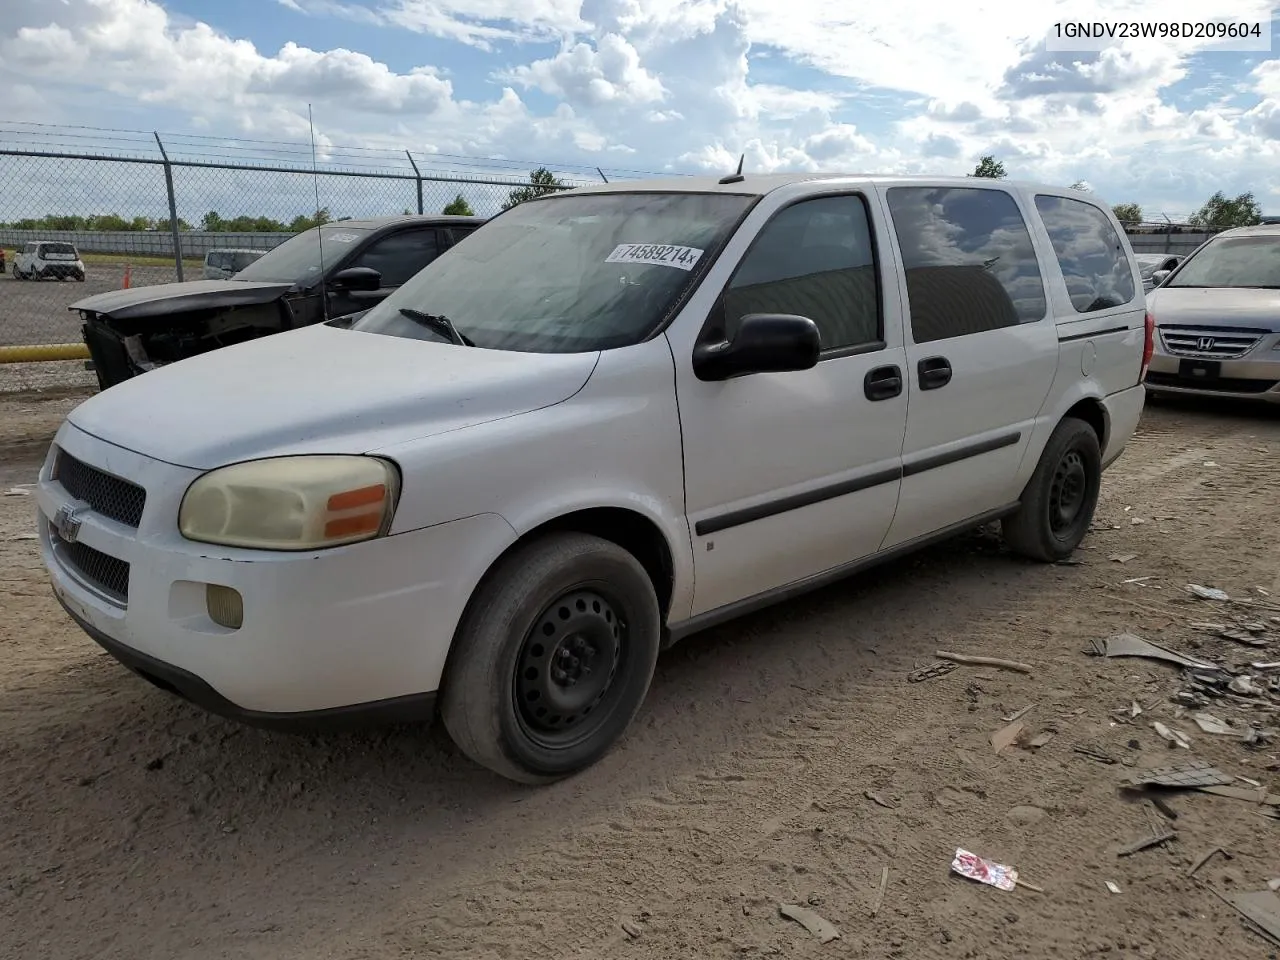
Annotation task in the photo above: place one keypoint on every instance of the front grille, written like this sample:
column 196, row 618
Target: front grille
column 110, row 496
column 1215, row 385
column 106, row 573
column 1209, row 343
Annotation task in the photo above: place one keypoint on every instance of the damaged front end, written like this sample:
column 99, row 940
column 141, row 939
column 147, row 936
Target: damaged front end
column 127, row 336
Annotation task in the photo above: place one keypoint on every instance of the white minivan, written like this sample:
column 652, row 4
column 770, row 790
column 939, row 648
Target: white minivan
column 607, row 419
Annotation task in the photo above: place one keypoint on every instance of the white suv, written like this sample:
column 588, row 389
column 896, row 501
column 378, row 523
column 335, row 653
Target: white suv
column 48, row 260
column 607, row 419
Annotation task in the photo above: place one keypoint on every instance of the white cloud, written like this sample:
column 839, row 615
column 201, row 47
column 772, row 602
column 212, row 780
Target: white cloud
column 606, row 73
column 693, row 84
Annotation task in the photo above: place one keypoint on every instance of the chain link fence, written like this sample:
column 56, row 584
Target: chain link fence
column 142, row 220
column 152, row 214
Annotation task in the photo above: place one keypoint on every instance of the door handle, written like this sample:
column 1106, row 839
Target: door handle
column 934, row 372
column 882, row 383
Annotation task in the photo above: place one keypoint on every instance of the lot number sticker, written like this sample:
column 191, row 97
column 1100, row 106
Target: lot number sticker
column 344, row 237
column 664, row 255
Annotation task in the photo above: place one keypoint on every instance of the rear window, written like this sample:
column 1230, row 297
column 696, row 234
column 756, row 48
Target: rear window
column 60, row 249
column 1090, row 253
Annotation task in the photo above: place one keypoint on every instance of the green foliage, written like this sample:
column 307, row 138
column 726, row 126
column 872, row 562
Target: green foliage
column 458, row 207
column 990, row 168
column 541, row 182
column 1220, row 212
column 1127, row 212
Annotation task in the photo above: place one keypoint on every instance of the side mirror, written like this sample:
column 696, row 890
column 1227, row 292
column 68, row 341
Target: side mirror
column 356, row 278
column 1158, row 277
column 763, row 343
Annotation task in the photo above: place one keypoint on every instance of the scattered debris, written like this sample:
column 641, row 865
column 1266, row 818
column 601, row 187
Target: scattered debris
column 985, row 662
column 1140, row 581
column 1176, row 737
column 23, row 536
column 1264, row 667
column 17, row 492
column 1131, row 645
column 878, row 800
column 1137, row 521
column 1207, row 593
column 1093, row 753
column 1245, row 686
column 1122, row 557
column 1040, row 740
column 1252, row 783
column 984, row 871
column 1205, row 858
column 1135, row 708
column 632, row 930
column 1142, row 843
column 1210, row 463
column 1005, row 737
column 928, row 673
column 1273, row 885
column 1240, row 636
column 1019, row 715
column 1161, row 804
column 1240, row 793
column 819, row 927
column 1211, row 724
column 1018, row 881
column 1261, row 909
column 1181, row 776
column 884, row 883
column 1112, row 887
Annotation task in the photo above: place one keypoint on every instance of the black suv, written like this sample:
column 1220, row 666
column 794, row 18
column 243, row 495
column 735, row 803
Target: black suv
column 323, row 273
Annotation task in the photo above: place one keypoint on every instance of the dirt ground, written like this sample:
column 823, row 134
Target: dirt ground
column 134, row 826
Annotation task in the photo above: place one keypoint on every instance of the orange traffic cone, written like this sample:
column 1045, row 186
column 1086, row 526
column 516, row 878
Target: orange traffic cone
column 126, row 277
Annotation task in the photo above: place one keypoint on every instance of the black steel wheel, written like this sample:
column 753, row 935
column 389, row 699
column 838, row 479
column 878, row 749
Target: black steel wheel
column 553, row 658
column 1059, row 500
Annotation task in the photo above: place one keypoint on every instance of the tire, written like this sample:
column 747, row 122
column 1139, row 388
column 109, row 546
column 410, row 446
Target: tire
column 1059, row 500
column 79, row 278
column 508, row 687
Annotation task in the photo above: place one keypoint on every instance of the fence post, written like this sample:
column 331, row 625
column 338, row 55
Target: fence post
column 173, row 208
column 1168, row 234
column 417, row 176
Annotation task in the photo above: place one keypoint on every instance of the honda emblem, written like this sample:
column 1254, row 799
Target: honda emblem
column 1204, row 344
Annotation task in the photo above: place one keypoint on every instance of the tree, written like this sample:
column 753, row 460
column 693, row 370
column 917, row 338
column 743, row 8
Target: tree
column 1221, row 213
column 990, row 168
column 1127, row 212
column 459, row 207
column 303, row 222
column 541, row 182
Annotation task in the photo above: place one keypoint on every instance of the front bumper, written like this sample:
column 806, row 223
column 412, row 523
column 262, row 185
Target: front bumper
column 329, row 634
column 1256, row 376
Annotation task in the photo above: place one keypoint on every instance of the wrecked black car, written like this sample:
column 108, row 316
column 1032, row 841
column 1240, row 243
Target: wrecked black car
column 326, row 272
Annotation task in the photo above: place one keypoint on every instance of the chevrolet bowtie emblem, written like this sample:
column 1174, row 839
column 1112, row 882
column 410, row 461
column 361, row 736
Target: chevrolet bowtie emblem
column 66, row 522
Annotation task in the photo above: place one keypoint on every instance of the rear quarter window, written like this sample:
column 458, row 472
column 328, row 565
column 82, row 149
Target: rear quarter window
column 969, row 261
column 1093, row 261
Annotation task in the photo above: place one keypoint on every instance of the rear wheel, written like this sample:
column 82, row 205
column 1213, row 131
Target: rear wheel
column 553, row 659
column 1059, row 500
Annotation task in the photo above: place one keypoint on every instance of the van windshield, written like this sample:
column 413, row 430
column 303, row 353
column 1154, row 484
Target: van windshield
column 565, row 274
column 1232, row 262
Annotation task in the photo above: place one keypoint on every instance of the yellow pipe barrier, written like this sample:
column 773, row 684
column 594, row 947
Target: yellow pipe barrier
column 44, row 352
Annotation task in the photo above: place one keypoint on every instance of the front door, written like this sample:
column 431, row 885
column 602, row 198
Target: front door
column 982, row 352
column 397, row 256
column 788, row 475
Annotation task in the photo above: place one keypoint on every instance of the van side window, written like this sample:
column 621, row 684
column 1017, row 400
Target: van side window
column 815, row 258
column 1089, row 251
column 969, row 261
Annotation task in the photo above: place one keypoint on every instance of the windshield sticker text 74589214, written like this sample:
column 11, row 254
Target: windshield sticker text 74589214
column 665, row 255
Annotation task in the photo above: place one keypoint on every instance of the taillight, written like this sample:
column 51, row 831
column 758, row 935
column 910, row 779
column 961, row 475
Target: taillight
column 1148, row 346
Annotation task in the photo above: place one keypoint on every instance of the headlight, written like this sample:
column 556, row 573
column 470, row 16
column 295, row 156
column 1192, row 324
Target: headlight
column 292, row 503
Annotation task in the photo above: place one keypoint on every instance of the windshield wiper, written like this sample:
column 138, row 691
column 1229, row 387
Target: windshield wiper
column 438, row 322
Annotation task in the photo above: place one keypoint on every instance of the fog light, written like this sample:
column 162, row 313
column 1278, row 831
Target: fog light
column 226, row 606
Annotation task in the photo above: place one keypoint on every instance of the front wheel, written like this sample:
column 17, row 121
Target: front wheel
column 1059, row 500
column 553, row 658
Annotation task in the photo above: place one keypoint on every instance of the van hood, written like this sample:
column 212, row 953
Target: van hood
column 1215, row 307
column 321, row 389
column 163, row 299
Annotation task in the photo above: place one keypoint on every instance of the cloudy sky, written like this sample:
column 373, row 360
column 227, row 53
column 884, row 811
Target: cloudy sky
column 679, row 85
